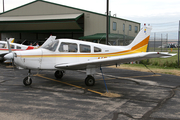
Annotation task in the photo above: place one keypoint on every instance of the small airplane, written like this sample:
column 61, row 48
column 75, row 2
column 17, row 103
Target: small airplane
column 70, row 54
column 14, row 46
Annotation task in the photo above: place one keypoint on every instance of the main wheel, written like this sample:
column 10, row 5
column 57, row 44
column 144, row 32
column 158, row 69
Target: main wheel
column 58, row 74
column 27, row 82
column 89, row 81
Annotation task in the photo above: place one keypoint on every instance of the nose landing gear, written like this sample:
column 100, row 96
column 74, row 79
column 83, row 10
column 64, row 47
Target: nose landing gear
column 27, row 80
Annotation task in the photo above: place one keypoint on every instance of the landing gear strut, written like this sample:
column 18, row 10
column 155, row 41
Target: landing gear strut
column 27, row 80
column 59, row 74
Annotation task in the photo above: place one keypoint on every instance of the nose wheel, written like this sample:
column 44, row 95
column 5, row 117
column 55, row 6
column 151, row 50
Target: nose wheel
column 27, row 80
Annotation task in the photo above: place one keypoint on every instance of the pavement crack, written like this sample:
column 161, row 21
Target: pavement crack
column 160, row 103
column 115, row 115
column 2, row 81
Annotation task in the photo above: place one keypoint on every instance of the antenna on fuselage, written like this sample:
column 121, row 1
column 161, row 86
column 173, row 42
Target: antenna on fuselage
column 23, row 42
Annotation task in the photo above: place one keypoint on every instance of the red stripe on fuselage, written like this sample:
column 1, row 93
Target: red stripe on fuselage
column 11, row 49
column 30, row 47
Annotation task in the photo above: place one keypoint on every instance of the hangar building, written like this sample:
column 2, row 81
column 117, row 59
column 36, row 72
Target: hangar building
column 37, row 20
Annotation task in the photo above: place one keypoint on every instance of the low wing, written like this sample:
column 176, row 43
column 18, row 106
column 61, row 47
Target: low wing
column 112, row 61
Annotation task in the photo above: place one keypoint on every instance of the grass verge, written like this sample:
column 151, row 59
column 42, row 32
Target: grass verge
column 155, row 69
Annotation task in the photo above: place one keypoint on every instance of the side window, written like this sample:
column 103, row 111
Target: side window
column 136, row 29
column 123, row 27
column 12, row 46
column 85, row 48
column 130, row 27
column 18, row 47
column 114, row 26
column 96, row 49
column 2, row 45
column 68, row 47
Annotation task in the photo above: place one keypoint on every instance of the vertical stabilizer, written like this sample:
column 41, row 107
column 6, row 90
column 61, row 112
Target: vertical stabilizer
column 140, row 43
column 11, row 40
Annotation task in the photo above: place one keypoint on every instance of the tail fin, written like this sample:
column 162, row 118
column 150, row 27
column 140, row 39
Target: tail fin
column 11, row 40
column 140, row 43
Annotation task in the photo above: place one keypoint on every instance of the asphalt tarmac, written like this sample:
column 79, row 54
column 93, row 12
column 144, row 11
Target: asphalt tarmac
column 140, row 96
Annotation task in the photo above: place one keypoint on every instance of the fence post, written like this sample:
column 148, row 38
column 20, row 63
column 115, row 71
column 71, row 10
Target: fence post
column 161, row 42
column 178, row 41
column 166, row 42
column 154, row 40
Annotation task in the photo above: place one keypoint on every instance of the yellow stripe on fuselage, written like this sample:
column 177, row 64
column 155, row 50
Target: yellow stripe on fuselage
column 141, row 47
column 127, row 52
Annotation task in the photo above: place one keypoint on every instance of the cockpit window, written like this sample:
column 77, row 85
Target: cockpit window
column 51, row 46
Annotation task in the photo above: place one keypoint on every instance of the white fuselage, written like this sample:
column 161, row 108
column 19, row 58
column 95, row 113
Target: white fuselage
column 76, row 54
column 64, row 51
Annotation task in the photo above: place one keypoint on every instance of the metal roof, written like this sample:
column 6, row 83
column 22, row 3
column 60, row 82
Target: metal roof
column 67, row 7
column 40, row 23
column 41, row 17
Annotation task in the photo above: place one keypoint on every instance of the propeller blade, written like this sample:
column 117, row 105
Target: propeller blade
column 8, row 45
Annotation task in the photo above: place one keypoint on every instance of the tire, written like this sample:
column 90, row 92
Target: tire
column 26, row 82
column 89, row 81
column 58, row 74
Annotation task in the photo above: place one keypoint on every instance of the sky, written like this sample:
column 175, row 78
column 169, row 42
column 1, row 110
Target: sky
column 162, row 15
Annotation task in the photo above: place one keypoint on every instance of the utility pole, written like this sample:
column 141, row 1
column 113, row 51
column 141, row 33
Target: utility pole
column 107, row 23
column 3, row 5
column 178, row 42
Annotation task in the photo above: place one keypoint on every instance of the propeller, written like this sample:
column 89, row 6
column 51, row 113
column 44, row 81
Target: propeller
column 10, row 55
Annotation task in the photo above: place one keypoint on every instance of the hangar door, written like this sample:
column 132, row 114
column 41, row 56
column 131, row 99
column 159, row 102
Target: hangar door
column 42, row 24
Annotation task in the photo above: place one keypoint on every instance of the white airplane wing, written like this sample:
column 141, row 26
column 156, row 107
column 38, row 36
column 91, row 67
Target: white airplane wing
column 112, row 60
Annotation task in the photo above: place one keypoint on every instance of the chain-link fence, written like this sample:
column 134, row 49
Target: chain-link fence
column 165, row 42
column 161, row 42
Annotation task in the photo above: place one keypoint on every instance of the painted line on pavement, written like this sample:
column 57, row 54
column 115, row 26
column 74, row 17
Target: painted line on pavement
column 69, row 84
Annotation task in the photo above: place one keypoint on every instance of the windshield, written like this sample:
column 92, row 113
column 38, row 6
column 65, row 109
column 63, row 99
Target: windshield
column 51, row 46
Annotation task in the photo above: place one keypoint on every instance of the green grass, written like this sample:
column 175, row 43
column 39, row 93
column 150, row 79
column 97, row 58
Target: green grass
column 155, row 69
column 171, row 62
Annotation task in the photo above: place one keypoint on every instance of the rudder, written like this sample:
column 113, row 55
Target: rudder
column 140, row 43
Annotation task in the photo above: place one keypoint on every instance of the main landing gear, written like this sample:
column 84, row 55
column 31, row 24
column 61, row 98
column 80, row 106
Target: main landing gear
column 27, row 80
column 59, row 74
column 89, row 81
